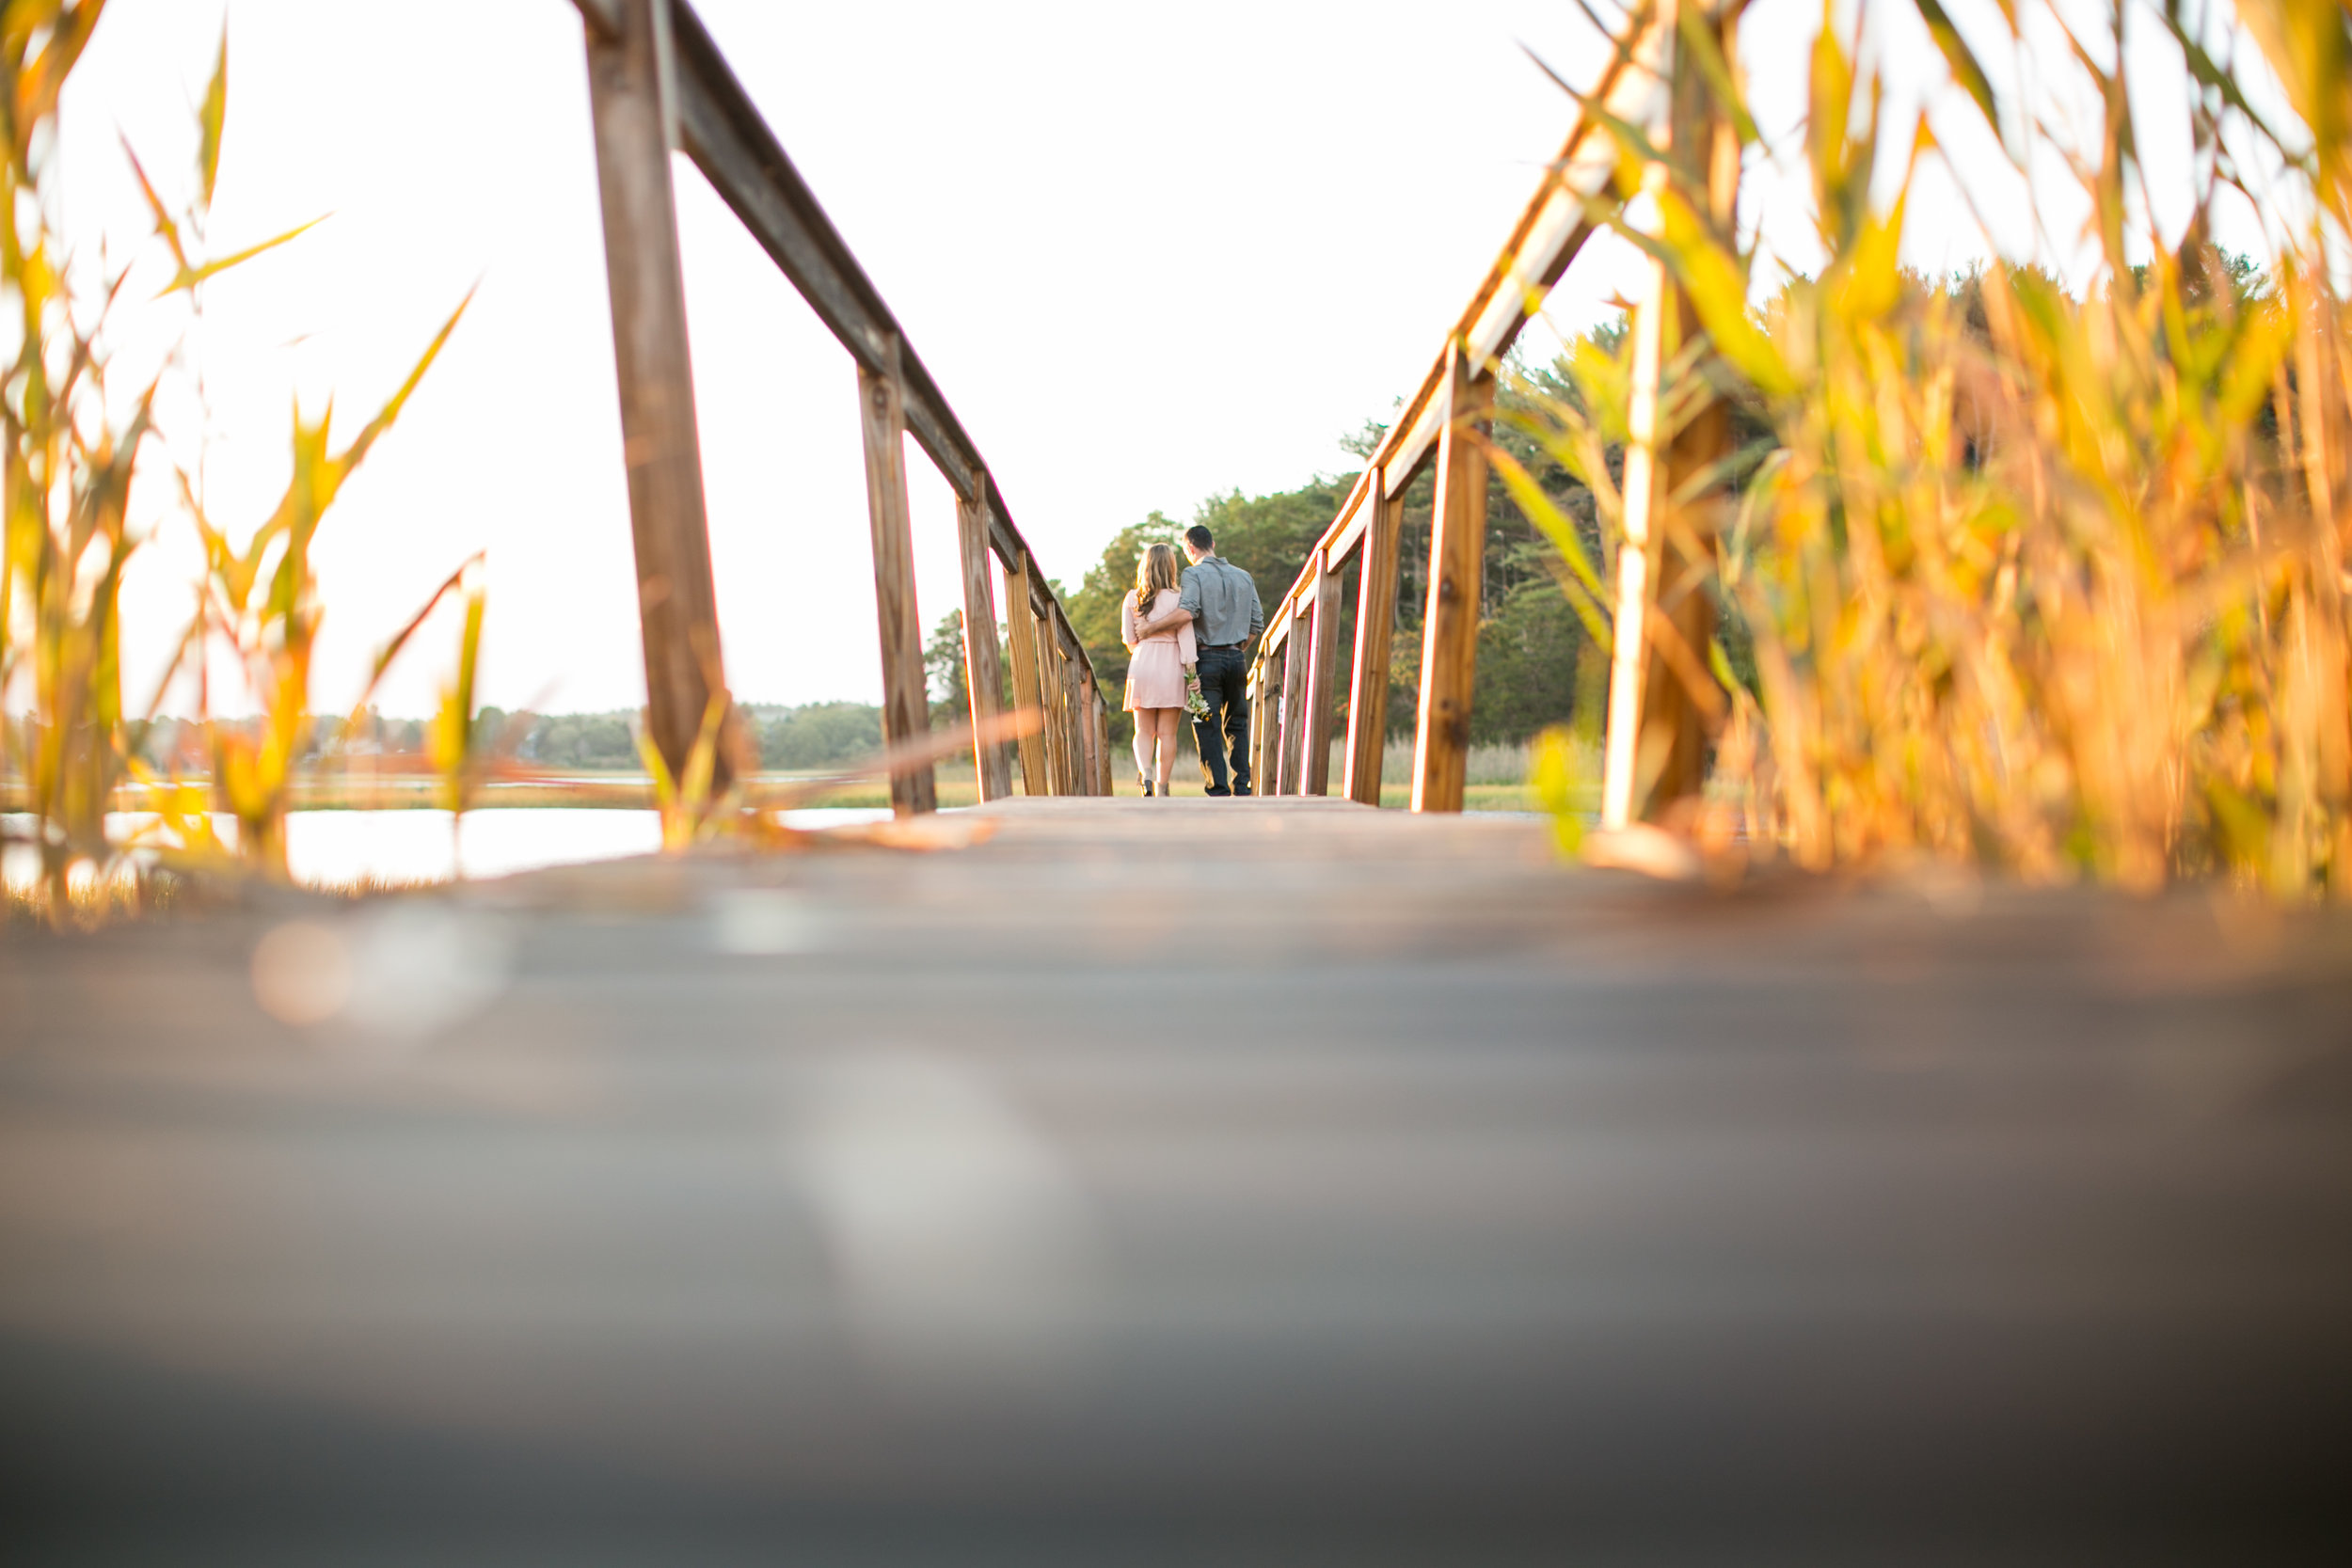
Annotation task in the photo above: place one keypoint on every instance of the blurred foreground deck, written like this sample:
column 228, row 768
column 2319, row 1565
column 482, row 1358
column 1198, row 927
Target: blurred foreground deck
column 1182, row 1181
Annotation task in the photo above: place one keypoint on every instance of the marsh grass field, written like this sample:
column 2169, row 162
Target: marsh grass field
column 354, row 836
column 2034, row 569
column 1498, row 782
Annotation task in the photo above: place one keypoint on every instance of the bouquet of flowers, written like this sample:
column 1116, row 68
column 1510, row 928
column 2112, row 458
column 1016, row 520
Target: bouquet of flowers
column 1196, row 706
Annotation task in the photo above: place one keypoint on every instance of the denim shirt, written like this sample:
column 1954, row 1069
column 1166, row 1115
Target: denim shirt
column 1224, row 602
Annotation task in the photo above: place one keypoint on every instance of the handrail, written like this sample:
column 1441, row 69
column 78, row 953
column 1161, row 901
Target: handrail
column 1550, row 230
column 1552, row 227
column 703, row 110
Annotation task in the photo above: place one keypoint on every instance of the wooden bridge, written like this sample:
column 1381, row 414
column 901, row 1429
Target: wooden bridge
column 659, row 82
column 1077, row 1181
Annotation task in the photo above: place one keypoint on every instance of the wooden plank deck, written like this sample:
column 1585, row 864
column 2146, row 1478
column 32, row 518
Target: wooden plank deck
column 1181, row 1181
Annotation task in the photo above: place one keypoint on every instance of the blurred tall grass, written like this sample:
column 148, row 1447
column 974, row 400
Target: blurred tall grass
column 1496, row 762
column 72, row 444
column 2043, row 581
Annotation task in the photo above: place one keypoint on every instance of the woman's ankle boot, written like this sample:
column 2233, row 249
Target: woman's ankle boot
column 1147, row 785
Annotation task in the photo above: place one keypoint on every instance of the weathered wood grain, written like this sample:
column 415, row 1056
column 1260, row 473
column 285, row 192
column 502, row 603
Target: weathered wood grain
column 915, row 1208
column 1458, row 556
column 1265, row 713
column 1027, row 677
column 1104, row 759
column 1056, row 693
column 906, row 715
column 1321, row 693
column 1664, row 701
column 1376, row 628
column 1560, row 215
column 1681, row 700
column 1090, row 735
column 1629, row 656
column 1053, row 679
column 984, row 675
column 1551, row 230
column 722, row 131
column 677, row 604
column 1081, row 739
column 1298, row 659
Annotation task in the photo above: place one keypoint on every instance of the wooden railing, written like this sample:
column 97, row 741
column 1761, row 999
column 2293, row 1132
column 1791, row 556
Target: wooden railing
column 1293, row 677
column 657, row 82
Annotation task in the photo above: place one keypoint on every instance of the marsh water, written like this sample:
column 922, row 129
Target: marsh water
column 338, row 848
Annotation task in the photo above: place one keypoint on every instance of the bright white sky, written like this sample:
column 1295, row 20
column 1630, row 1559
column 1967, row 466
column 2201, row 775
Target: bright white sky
column 1149, row 253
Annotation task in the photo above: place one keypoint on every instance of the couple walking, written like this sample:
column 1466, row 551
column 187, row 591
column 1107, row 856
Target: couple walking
column 1189, row 636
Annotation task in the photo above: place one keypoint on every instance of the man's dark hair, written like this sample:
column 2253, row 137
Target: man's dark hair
column 1199, row 538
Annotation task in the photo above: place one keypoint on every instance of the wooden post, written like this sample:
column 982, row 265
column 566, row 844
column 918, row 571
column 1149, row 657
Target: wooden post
column 1457, row 557
column 1089, row 746
column 1375, row 624
column 1628, row 663
column 1300, row 643
column 1028, row 688
column 1074, row 720
column 1072, row 743
column 1066, row 714
column 1102, row 743
column 906, row 701
column 1049, row 702
column 1053, row 689
column 1321, row 697
column 983, row 675
column 628, row 99
column 1253, row 687
column 1272, row 777
column 1266, row 738
column 1249, row 691
column 1685, row 552
column 1667, row 550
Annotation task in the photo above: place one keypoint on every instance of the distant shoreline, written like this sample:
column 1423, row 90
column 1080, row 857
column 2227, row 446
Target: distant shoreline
column 618, row 789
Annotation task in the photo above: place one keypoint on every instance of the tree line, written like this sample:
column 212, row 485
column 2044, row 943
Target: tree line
column 1533, row 651
column 802, row 739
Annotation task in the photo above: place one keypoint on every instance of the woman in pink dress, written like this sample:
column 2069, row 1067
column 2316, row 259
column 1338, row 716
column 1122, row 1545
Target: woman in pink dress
column 1157, row 673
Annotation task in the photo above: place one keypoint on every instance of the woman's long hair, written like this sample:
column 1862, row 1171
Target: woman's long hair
column 1155, row 571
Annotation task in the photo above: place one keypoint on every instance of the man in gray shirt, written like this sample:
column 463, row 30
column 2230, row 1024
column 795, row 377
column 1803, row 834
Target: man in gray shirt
column 1223, row 604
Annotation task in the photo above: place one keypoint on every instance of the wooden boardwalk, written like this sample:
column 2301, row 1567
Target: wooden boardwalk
column 1274, row 1182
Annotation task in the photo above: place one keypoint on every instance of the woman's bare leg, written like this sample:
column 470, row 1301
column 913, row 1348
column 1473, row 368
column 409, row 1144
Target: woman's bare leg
column 1167, row 718
column 1143, row 742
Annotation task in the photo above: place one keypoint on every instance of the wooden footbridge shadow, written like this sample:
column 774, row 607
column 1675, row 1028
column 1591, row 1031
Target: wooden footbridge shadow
column 1080, row 1181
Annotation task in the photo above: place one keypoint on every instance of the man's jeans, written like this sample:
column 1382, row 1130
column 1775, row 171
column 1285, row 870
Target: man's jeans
column 1225, row 682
